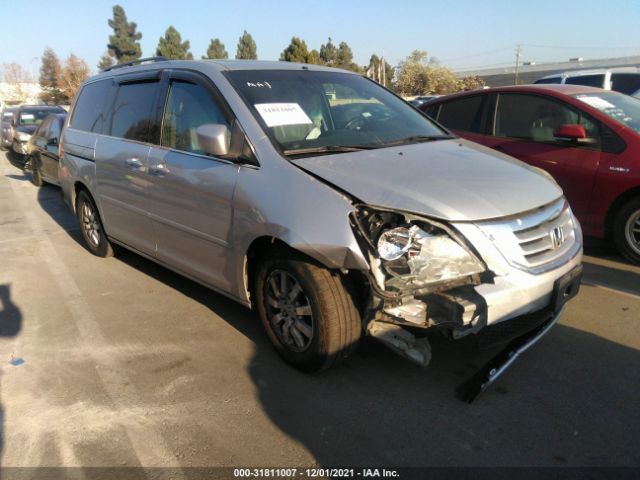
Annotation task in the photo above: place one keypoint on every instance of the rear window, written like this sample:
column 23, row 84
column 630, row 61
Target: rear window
column 627, row 83
column 132, row 110
column 464, row 114
column 587, row 80
column 89, row 111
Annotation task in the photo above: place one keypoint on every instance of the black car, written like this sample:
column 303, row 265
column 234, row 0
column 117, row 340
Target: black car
column 43, row 149
column 25, row 121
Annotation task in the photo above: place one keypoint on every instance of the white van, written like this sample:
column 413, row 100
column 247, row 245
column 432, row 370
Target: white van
column 623, row 79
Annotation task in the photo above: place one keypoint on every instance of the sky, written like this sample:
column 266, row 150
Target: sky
column 461, row 34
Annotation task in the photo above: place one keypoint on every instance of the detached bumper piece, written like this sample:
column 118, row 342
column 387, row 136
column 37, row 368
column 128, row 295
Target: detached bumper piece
column 565, row 289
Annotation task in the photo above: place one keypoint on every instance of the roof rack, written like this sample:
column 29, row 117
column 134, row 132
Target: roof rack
column 139, row 61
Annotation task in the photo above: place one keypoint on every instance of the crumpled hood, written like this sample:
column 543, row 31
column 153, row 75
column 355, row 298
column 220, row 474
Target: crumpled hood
column 29, row 129
column 453, row 180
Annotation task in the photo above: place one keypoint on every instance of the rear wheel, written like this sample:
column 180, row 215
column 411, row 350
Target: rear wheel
column 308, row 313
column 91, row 226
column 626, row 230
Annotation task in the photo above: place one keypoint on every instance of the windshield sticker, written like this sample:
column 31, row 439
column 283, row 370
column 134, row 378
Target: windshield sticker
column 27, row 116
column 596, row 102
column 278, row 114
column 258, row 84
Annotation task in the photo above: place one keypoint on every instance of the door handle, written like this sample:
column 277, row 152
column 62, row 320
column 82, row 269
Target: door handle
column 159, row 169
column 133, row 162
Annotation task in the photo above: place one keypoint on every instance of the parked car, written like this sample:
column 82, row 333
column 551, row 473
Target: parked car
column 6, row 129
column 26, row 120
column 587, row 138
column 320, row 199
column 43, row 150
column 622, row 79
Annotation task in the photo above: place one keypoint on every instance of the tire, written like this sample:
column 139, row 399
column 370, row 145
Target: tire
column 91, row 227
column 331, row 325
column 626, row 230
column 36, row 176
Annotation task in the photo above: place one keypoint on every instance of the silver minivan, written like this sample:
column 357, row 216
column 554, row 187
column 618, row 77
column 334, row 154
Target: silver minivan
column 320, row 199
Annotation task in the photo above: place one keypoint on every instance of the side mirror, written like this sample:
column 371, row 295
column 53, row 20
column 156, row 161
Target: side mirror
column 570, row 132
column 52, row 141
column 214, row 139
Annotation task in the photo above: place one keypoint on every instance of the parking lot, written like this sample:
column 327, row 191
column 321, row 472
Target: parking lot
column 125, row 363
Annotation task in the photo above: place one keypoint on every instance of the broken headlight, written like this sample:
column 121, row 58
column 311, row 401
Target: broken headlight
column 416, row 253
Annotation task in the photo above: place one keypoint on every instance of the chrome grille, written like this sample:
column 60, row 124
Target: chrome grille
column 536, row 241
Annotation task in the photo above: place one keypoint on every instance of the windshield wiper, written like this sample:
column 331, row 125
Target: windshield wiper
column 417, row 139
column 329, row 149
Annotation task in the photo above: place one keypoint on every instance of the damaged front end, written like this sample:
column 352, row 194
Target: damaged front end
column 423, row 275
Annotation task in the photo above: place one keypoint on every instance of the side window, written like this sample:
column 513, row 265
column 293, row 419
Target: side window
column 627, row 83
column 533, row 117
column 551, row 80
column 588, row 80
column 132, row 110
column 464, row 114
column 188, row 106
column 43, row 129
column 431, row 111
column 54, row 130
column 89, row 110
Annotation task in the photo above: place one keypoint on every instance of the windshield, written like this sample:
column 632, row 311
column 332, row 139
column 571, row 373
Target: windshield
column 308, row 112
column 619, row 107
column 34, row 116
column 7, row 116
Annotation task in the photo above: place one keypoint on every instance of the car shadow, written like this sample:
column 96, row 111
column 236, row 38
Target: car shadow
column 18, row 161
column 571, row 400
column 51, row 201
column 606, row 276
column 568, row 401
column 10, row 325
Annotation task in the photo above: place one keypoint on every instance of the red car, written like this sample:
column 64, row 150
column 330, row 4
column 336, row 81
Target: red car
column 587, row 138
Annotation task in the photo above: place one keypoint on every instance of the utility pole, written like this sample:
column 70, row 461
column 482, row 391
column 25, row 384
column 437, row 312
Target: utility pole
column 384, row 72
column 516, row 78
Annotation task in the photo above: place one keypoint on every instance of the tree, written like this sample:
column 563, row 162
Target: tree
column 417, row 75
column 75, row 72
column 16, row 77
column 472, row 82
column 106, row 61
column 314, row 57
column 328, row 53
column 50, row 78
column 296, row 51
column 172, row 47
column 247, row 49
column 124, row 44
column 216, row 50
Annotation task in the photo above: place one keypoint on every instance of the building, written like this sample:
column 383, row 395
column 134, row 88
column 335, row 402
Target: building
column 531, row 71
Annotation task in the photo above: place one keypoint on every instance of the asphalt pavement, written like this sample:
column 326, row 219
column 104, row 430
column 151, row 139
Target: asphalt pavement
column 120, row 362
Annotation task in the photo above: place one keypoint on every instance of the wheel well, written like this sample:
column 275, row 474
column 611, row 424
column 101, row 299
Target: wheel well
column 77, row 188
column 355, row 281
column 616, row 206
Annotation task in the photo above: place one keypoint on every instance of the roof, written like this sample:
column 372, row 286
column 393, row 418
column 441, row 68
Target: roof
column 220, row 65
column 562, row 89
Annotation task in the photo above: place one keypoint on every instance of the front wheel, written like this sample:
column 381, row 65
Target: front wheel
column 626, row 230
column 91, row 227
column 308, row 313
column 36, row 175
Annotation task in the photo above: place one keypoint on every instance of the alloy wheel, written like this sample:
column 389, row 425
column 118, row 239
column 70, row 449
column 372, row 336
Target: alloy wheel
column 90, row 224
column 632, row 231
column 289, row 311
